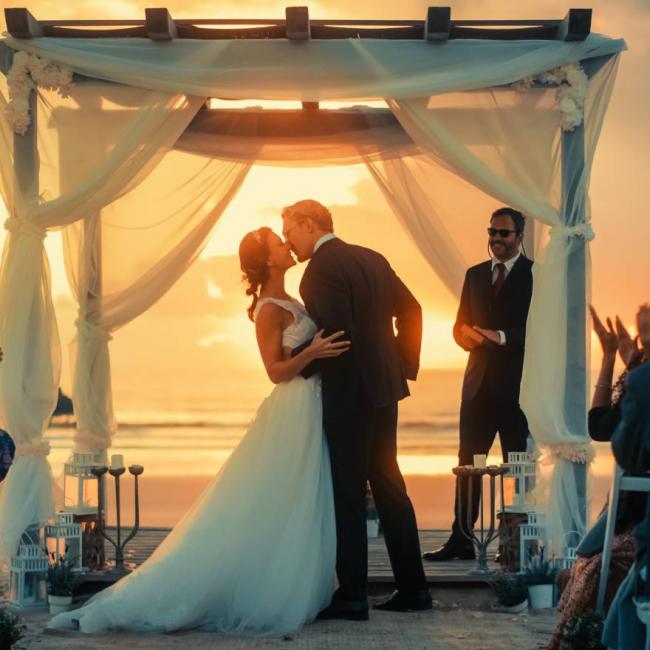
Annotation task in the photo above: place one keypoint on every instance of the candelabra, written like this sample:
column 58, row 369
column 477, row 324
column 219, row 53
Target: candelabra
column 136, row 470
column 481, row 541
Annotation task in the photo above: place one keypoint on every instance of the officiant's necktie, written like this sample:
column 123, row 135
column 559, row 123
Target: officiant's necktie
column 501, row 276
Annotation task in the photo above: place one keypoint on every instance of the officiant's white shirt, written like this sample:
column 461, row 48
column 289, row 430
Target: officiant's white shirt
column 322, row 240
column 509, row 264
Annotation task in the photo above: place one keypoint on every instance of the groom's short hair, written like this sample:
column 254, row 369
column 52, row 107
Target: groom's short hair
column 310, row 209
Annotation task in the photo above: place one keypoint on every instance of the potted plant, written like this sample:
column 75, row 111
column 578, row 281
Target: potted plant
column 60, row 583
column 10, row 629
column 511, row 591
column 583, row 632
column 540, row 578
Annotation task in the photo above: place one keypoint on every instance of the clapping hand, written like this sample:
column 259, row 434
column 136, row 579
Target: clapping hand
column 628, row 347
column 606, row 335
column 643, row 326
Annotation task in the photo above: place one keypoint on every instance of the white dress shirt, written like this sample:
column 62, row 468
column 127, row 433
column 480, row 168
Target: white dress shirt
column 508, row 264
column 322, row 240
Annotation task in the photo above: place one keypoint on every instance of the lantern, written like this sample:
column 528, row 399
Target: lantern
column 532, row 535
column 80, row 486
column 64, row 538
column 519, row 481
column 28, row 571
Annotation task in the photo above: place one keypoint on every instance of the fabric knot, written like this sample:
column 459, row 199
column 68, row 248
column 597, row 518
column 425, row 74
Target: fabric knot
column 87, row 441
column 90, row 331
column 583, row 230
column 35, row 450
column 576, row 452
column 15, row 225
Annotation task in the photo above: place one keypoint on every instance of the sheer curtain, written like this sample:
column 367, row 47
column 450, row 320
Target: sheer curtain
column 519, row 163
column 29, row 374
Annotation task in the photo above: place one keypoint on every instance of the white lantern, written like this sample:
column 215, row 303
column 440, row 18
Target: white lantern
column 568, row 560
column 28, row 571
column 79, row 485
column 519, row 481
column 532, row 536
column 64, row 538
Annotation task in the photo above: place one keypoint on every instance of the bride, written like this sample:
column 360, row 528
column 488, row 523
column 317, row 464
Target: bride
column 256, row 553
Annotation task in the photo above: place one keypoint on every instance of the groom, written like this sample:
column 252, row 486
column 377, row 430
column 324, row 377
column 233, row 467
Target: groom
column 354, row 289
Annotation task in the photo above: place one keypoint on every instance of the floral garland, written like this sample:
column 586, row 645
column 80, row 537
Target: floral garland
column 579, row 452
column 27, row 72
column 572, row 85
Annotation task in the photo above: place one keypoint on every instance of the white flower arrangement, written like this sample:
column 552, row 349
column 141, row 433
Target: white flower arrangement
column 572, row 84
column 27, row 72
column 575, row 452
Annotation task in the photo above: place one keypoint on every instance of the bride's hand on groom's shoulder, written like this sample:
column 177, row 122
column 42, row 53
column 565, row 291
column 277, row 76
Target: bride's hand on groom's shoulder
column 325, row 347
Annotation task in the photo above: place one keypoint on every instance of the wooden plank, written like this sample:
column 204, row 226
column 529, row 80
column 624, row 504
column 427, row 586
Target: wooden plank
column 576, row 25
column 297, row 23
column 438, row 24
column 21, row 23
column 159, row 25
column 379, row 569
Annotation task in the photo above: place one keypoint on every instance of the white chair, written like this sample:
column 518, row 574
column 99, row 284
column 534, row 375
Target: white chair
column 620, row 483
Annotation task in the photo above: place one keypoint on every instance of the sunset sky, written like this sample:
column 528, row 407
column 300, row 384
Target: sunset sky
column 200, row 327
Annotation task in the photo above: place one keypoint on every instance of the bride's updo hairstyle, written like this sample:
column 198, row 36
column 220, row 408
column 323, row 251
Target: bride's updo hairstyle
column 253, row 257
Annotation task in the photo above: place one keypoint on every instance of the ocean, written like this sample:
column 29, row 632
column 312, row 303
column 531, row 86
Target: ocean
column 183, row 432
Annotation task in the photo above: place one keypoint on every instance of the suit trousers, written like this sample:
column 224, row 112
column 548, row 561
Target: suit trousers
column 363, row 447
column 480, row 419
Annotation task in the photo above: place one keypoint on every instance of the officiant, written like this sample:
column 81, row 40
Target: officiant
column 491, row 326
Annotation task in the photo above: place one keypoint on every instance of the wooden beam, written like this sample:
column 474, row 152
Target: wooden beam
column 298, row 28
column 21, row 23
column 310, row 106
column 576, row 26
column 438, row 24
column 159, row 25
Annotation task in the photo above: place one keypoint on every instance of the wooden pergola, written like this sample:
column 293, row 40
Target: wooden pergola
column 437, row 28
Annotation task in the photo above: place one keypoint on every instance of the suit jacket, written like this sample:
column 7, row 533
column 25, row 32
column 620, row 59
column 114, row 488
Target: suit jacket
column 631, row 440
column 354, row 289
column 499, row 366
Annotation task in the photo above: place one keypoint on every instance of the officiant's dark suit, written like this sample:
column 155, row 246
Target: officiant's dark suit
column 354, row 289
column 495, row 298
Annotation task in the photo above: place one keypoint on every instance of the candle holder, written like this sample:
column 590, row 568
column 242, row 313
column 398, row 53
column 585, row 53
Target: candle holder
column 116, row 472
column 481, row 541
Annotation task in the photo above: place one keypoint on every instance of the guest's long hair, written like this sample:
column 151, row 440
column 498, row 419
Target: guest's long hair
column 253, row 257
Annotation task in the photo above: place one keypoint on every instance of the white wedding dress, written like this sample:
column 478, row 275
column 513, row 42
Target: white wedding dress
column 256, row 553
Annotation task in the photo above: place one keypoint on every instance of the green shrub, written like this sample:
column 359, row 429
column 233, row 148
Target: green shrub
column 10, row 629
column 60, row 577
column 509, row 588
column 583, row 632
column 540, row 571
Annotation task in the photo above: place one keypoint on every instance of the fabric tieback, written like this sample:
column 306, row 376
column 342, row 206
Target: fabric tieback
column 16, row 225
column 35, row 450
column 501, row 277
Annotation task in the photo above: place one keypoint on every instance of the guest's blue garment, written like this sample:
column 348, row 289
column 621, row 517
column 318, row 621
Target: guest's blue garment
column 7, row 451
column 631, row 446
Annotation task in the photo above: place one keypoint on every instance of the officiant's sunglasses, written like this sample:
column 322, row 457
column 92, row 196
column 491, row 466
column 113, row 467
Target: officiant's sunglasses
column 502, row 232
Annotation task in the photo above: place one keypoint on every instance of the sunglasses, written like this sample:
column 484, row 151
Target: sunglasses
column 502, row 232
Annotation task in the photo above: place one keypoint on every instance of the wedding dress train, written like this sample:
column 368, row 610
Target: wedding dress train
column 256, row 553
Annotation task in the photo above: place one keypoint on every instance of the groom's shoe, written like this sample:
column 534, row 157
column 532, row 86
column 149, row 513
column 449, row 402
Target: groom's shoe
column 451, row 551
column 401, row 601
column 349, row 610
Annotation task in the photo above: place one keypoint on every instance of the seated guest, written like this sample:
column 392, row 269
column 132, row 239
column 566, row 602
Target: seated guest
column 491, row 326
column 631, row 448
column 7, row 451
column 580, row 585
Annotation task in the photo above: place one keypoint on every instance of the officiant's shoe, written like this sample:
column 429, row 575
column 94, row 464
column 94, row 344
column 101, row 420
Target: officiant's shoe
column 451, row 551
column 345, row 610
column 400, row 601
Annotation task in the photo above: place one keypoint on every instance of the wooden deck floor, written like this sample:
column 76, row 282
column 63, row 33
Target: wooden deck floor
column 379, row 571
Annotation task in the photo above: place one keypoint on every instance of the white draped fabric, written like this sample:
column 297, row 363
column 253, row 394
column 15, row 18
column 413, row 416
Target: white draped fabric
column 139, row 186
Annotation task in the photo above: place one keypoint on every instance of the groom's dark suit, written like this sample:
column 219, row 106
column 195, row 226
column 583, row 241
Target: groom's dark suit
column 354, row 289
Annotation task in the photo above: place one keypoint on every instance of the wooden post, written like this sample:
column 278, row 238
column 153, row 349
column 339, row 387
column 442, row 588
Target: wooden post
column 298, row 28
column 438, row 24
column 576, row 25
column 21, row 23
column 577, row 363
column 159, row 25
column 26, row 160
